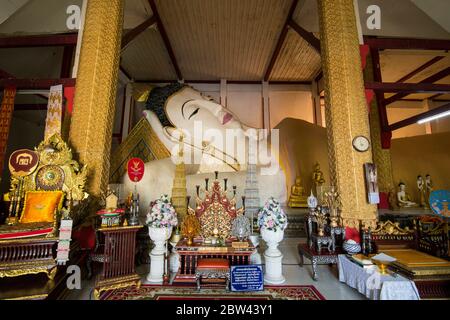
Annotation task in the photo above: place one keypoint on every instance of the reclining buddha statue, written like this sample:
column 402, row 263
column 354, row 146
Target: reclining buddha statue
column 178, row 112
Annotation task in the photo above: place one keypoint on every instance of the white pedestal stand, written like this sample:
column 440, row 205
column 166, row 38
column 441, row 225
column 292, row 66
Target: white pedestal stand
column 273, row 257
column 159, row 237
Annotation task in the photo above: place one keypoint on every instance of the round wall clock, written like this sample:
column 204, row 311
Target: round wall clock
column 361, row 144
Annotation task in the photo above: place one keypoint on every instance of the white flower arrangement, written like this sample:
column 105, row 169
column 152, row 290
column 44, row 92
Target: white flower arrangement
column 272, row 217
column 162, row 214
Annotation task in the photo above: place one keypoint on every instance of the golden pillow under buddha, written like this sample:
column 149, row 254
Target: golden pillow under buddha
column 40, row 206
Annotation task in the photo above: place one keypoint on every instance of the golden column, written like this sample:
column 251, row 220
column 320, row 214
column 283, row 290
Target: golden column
column 381, row 157
column 96, row 88
column 346, row 109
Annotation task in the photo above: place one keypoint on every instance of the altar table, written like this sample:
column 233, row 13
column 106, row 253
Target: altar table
column 189, row 254
column 389, row 287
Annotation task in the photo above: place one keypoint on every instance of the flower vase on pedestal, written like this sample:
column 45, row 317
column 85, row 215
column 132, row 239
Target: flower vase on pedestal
column 160, row 220
column 273, row 256
column 159, row 237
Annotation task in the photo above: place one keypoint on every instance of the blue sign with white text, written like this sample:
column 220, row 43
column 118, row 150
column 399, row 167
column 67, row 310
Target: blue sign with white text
column 247, row 278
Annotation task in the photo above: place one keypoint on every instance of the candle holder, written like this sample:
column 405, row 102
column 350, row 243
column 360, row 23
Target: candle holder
column 188, row 199
column 206, row 183
column 216, row 173
column 234, row 191
column 225, row 181
column 198, row 190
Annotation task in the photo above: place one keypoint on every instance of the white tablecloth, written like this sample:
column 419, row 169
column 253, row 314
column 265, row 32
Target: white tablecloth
column 374, row 285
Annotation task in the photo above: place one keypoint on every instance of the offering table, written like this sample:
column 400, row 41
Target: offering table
column 189, row 255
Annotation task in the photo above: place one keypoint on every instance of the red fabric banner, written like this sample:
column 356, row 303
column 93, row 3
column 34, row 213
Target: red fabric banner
column 69, row 93
column 6, row 112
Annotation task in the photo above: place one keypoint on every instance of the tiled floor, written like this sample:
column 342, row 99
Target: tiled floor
column 328, row 283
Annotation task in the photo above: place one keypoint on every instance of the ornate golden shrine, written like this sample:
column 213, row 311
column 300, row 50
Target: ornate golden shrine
column 216, row 212
column 29, row 248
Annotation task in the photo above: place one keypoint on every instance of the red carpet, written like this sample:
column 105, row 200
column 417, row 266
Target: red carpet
column 152, row 292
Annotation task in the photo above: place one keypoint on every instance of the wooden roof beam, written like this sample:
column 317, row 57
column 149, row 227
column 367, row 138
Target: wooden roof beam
column 306, row 35
column 432, row 79
column 132, row 34
column 280, row 42
column 36, row 83
column 166, row 40
column 421, row 68
column 416, row 118
column 408, row 88
column 53, row 40
column 411, row 44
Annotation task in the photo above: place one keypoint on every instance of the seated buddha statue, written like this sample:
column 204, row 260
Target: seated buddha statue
column 318, row 178
column 298, row 199
column 403, row 198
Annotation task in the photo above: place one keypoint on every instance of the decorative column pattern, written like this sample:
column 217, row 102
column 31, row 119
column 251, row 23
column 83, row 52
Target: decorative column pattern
column 381, row 157
column 179, row 191
column 346, row 109
column 6, row 111
column 94, row 105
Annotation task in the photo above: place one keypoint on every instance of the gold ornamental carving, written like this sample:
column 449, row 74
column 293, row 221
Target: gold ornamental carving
column 142, row 142
column 94, row 102
column 118, row 283
column 346, row 107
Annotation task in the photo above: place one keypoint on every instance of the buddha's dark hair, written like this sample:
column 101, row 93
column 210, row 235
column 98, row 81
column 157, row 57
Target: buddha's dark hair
column 401, row 183
column 157, row 99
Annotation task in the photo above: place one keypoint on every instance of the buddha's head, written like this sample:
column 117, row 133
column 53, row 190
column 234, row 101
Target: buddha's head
column 298, row 181
column 402, row 186
column 203, row 123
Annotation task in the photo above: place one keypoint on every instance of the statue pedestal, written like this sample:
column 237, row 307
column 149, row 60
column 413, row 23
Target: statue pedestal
column 274, row 269
column 159, row 237
column 156, row 268
column 273, row 257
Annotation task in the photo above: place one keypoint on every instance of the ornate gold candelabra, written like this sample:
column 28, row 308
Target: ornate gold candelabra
column 333, row 203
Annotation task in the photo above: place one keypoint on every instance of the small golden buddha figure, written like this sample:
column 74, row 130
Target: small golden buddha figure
column 190, row 227
column 403, row 198
column 318, row 178
column 298, row 199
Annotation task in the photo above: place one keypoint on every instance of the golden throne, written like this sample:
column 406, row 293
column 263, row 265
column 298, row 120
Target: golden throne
column 55, row 185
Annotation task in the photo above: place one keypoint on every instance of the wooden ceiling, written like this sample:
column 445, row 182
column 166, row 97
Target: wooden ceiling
column 216, row 39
